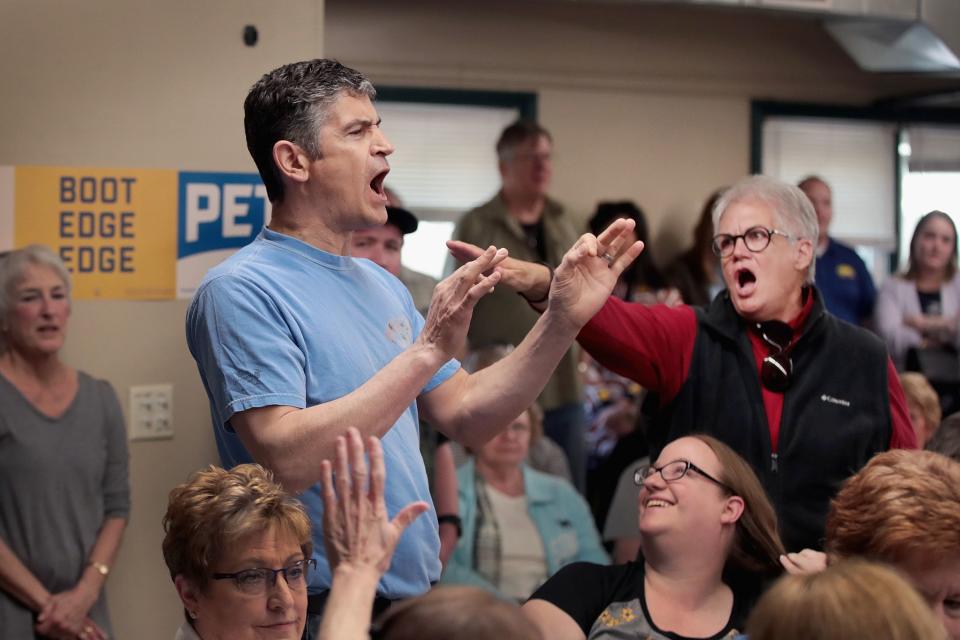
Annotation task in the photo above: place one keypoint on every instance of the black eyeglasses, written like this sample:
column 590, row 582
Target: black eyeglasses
column 756, row 239
column 673, row 471
column 777, row 368
column 255, row 582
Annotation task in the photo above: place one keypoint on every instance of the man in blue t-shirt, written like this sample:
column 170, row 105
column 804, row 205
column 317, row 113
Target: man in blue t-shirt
column 841, row 275
column 296, row 341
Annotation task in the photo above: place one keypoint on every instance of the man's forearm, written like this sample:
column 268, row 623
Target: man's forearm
column 491, row 398
column 292, row 442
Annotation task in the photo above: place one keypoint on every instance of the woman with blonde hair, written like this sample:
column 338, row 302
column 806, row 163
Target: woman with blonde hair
column 64, row 487
column 520, row 526
column 708, row 541
column 921, row 308
column 853, row 599
column 238, row 550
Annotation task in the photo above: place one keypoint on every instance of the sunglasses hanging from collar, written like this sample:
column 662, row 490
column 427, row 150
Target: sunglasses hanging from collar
column 776, row 369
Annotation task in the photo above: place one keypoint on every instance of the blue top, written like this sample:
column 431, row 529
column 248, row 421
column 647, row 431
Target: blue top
column 560, row 514
column 283, row 323
column 845, row 283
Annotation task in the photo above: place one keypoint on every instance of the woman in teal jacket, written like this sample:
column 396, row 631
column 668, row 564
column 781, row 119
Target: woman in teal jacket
column 519, row 525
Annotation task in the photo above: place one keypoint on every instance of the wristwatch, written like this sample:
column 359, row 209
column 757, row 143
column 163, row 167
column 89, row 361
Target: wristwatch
column 453, row 519
column 100, row 568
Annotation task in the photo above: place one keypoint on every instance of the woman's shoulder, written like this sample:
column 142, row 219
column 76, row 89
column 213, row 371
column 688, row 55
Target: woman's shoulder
column 90, row 384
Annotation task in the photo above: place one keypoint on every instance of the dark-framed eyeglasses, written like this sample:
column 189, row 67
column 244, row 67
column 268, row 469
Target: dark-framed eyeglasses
column 673, row 471
column 776, row 370
column 756, row 239
column 256, row 582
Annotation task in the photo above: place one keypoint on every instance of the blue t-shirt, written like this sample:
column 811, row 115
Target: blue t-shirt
column 845, row 283
column 283, row 323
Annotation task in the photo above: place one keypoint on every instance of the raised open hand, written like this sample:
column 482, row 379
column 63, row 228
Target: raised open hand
column 590, row 269
column 454, row 299
column 357, row 531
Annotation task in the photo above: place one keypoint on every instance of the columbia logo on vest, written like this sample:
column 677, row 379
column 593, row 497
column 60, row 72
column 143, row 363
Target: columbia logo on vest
column 832, row 400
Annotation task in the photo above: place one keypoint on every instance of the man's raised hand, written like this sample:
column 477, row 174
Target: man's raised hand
column 454, row 299
column 590, row 269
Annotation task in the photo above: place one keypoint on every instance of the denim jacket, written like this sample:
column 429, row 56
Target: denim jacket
column 559, row 513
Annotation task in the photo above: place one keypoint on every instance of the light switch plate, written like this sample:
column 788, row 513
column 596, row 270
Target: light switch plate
column 151, row 412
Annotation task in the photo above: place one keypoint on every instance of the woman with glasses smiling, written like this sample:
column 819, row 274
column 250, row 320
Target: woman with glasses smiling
column 708, row 543
column 238, row 550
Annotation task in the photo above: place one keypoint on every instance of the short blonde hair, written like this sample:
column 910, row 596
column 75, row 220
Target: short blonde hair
column 215, row 508
column 900, row 505
column 918, row 390
column 852, row 599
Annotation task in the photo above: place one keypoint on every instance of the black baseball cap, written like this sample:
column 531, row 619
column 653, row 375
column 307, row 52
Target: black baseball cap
column 402, row 219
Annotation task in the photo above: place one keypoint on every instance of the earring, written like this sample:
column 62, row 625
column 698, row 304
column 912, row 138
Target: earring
column 192, row 614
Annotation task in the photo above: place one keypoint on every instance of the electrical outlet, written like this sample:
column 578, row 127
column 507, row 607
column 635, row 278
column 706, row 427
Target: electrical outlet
column 151, row 412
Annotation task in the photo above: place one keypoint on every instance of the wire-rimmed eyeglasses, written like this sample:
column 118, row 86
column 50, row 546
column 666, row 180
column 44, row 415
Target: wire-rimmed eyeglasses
column 673, row 471
column 256, row 581
column 756, row 239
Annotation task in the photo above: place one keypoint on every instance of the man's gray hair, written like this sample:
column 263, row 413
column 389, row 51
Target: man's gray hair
column 291, row 103
column 12, row 268
column 792, row 210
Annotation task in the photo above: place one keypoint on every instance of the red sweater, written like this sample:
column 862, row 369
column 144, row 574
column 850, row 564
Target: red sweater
column 653, row 345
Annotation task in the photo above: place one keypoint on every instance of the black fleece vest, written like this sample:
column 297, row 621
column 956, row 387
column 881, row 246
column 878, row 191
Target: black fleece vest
column 836, row 413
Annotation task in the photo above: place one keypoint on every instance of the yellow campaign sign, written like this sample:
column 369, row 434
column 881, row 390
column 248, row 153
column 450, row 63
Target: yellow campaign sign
column 115, row 229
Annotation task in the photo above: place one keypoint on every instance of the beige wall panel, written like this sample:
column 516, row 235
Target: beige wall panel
column 667, row 153
column 140, row 82
column 135, row 343
column 645, row 101
column 135, row 83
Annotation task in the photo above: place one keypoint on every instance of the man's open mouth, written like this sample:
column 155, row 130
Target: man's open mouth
column 377, row 183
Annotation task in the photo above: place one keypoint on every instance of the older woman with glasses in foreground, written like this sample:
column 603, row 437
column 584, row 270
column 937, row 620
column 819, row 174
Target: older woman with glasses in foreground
column 805, row 398
column 238, row 550
column 708, row 543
